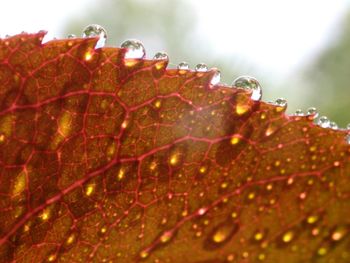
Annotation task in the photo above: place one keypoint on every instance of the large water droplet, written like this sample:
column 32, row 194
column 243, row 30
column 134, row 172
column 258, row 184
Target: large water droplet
column 201, row 67
column 324, row 122
column 249, row 83
column 95, row 30
column 281, row 102
column 333, row 125
column 161, row 56
column 183, row 66
column 135, row 49
column 216, row 78
column 312, row 111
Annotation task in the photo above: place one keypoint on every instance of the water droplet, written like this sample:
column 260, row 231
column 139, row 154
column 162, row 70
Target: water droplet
column 258, row 236
column 322, row 251
column 288, row 237
column 333, row 125
column 339, row 233
column 281, row 102
column 161, row 56
column 299, row 112
column 249, row 83
column 323, row 122
column 312, row 219
column 312, row 111
column 201, row 67
column 183, row 66
column 71, row 36
column 95, row 30
column 135, row 49
column 166, row 236
column 221, row 234
column 216, row 78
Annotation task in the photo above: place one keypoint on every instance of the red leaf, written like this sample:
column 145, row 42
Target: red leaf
column 111, row 160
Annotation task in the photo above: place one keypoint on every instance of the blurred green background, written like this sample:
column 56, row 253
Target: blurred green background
column 321, row 80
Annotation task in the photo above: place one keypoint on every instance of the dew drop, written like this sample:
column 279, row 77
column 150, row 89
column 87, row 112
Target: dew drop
column 183, row 66
column 71, row 36
column 166, row 236
column 223, row 233
column 288, row 237
column 339, row 233
column 333, row 125
column 322, row 251
column 201, row 67
column 249, row 83
column 281, row 102
column 135, row 49
column 312, row 219
column 323, row 122
column 258, row 236
column 95, row 30
column 299, row 112
column 216, row 78
column 161, row 56
column 312, row 111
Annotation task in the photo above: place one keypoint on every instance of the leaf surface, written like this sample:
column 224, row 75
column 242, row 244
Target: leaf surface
column 110, row 160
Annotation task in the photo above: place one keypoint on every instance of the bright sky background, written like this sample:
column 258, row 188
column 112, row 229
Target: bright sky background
column 273, row 34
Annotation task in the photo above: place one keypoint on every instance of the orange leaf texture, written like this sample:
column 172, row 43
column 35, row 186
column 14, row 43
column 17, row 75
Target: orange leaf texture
column 105, row 158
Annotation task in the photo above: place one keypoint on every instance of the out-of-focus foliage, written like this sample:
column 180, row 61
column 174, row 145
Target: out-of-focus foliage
column 328, row 77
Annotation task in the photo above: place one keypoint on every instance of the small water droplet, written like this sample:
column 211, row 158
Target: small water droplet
column 322, row 251
column 249, row 83
column 95, row 30
column 312, row 111
column 135, row 49
column 299, row 112
column 183, row 66
column 201, row 67
column 216, row 78
column 161, row 56
column 324, row 122
column 312, row 219
column 288, row 237
column 281, row 102
column 333, row 125
column 71, row 36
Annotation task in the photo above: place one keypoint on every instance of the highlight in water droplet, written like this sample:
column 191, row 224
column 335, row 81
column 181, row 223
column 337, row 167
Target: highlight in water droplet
column 135, row 49
column 249, row 83
column 95, row 30
column 201, row 67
